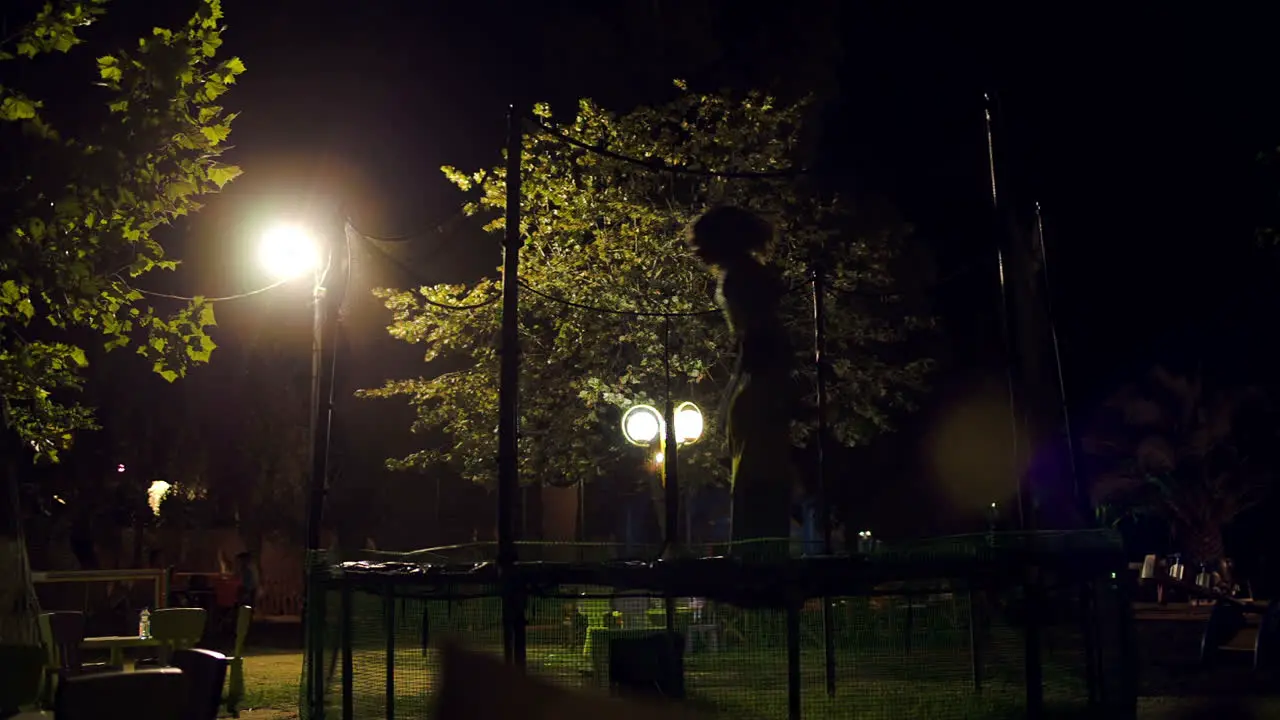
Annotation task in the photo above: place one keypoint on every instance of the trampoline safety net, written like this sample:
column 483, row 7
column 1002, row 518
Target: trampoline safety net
column 939, row 630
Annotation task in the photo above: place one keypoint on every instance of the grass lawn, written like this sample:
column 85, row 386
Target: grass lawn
column 754, row 689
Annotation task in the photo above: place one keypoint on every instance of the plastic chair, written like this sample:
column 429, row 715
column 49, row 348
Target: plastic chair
column 61, row 634
column 235, row 688
column 175, row 629
column 150, row 694
column 205, row 671
column 20, row 680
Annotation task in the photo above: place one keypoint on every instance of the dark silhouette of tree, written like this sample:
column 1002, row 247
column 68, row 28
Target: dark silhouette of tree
column 1190, row 450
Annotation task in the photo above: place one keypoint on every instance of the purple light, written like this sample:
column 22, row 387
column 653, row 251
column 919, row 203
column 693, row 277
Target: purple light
column 120, row 468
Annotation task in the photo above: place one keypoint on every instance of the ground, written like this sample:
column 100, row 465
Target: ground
column 271, row 680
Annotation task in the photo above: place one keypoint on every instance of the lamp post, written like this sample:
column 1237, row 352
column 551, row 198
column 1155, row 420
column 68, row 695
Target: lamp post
column 644, row 426
column 290, row 251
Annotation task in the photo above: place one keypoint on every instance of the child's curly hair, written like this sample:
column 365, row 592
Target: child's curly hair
column 728, row 232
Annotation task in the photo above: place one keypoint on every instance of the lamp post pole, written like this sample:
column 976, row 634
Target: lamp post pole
column 317, row 448
column 320, row 428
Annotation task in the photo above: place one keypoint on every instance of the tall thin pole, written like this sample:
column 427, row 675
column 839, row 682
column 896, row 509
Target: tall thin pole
column 1081, row 497
column 509, row 396
column 819, row 363
column 315, row 483
column 820, row 442
column 1033, row 669
column 1006, row 319
column 670, row 452
column 1093, row 658
column 320, row 424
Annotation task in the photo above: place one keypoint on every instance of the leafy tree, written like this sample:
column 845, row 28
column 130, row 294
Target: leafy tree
column 1179, row 447
column 84, row 197
column 602, row 232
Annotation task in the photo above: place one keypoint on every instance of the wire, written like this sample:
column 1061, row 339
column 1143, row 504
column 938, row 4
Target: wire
column 611, row 311
column 224, row 298
column 444, row 228
column 414, row 274
column 659, row 166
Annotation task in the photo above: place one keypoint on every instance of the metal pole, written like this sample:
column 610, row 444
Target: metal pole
column 793, row 657
column 1033, row 669
column 315, row 507
column 316, row 450
column 348, row 668
column 1006, row 316
column 819, row 363
column 670, row 453
column 824, row 500
column 1081, row 495
column 389, row 614
column 509, row 396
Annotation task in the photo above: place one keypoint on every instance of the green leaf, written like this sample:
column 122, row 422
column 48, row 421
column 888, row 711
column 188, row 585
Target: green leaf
column 216, row 134
column 17, row 108
column 220, row 175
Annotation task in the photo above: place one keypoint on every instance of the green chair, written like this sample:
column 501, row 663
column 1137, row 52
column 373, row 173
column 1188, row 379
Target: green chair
column 235, row 678
column 20, row 680
column 175, row 629
column 61, row 634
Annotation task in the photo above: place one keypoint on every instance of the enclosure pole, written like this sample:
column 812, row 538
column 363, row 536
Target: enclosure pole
column 348, row 669
column 1034, row 671
column 508, row 399
column 1006, row 318
column 793, row 657
column 819, row 363
column 975, row 656
column 389, row 613
column 824, row 499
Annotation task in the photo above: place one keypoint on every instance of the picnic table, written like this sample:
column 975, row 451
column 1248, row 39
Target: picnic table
column 116, row 644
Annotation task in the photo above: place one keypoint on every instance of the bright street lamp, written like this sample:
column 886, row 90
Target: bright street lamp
column 642, row 425
column 688, row 423
column 290, row 250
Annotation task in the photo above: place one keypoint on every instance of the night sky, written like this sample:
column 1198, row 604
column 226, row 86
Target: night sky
column 1137, row 130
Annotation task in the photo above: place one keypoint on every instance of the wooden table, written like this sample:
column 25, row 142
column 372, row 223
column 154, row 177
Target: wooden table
column 116, row 645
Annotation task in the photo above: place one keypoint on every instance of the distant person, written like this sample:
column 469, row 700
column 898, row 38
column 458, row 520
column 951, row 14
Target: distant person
column 247, row 594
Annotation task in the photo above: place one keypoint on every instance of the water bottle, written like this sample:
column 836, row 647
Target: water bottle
column 144, row 623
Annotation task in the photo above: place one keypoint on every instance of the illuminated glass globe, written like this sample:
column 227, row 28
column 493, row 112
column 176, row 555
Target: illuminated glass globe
column 642, row 425
column 688, row 419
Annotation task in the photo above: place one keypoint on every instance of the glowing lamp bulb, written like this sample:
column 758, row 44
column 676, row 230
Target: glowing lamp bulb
column 289, row 251
column 642, row 425
column 688, row 423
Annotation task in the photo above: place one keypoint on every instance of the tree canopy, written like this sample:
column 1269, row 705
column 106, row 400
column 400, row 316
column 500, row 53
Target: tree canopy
column 86, row 193
column 612, row 299
column 1185, row 448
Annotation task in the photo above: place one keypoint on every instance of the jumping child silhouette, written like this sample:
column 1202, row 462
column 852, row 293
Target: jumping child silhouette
column 728, row 239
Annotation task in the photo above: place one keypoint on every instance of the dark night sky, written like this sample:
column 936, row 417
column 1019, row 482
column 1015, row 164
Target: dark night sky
column 1137, row 129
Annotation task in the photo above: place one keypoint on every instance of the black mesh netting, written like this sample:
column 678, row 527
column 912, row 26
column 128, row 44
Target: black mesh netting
column 932, row 644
